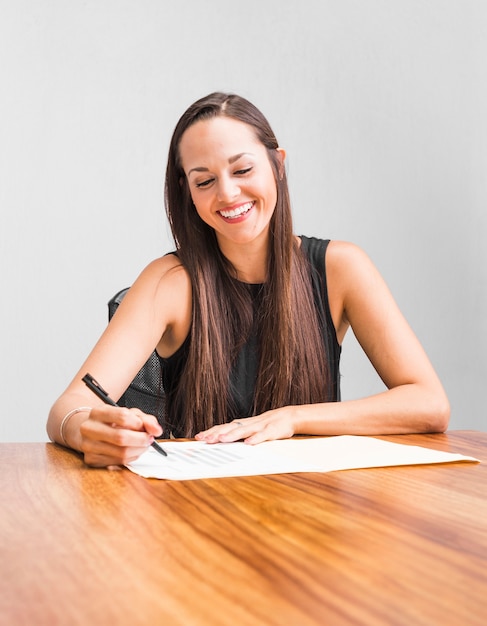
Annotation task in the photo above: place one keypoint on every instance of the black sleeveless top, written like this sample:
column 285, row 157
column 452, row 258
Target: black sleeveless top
column 244, row 372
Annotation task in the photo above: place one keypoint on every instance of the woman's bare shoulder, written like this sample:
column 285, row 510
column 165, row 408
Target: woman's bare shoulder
column 346, row 263
column 162, row 265
column 342, row 255
column 162, row 274
column 161, row 293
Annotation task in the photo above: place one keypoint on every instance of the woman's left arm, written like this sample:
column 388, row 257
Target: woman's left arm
column 414, row 402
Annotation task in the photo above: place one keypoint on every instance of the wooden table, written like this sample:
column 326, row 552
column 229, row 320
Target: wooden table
column 393, row 546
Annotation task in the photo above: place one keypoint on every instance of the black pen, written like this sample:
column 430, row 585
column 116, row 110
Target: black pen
column 98, row 390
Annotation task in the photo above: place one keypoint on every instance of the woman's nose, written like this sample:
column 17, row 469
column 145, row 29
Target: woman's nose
column 228, row 190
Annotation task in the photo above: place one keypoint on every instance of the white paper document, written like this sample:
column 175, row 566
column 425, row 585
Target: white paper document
column 187, row 460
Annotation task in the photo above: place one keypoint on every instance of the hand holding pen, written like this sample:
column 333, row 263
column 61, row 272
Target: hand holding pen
column 98, row 390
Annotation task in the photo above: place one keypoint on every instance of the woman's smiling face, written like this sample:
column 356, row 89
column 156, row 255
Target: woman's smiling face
column 230, row 179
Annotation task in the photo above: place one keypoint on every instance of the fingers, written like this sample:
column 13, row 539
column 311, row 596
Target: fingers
column 251, row 430
column 232, row 431
column 118, row 417
column 151, row 425
column 129, row 419
column 117, row 436
column 271, row 425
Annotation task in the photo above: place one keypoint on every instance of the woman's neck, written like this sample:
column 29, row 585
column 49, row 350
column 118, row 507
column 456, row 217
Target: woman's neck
column 249, row 260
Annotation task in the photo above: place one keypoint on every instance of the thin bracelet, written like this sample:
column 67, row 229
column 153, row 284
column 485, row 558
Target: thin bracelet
column 66, row 419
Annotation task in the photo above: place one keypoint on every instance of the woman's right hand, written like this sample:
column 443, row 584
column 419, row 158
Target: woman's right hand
column 156, row 313
column 114, row 436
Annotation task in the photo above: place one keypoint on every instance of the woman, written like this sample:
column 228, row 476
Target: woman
column 247, row 318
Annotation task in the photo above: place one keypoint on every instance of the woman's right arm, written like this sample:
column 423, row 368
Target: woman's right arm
column 154, row 314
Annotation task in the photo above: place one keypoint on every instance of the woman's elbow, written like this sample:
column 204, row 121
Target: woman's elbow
column 439, row 413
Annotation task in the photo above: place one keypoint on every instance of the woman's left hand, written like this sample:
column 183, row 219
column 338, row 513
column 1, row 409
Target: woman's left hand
column 275, row 424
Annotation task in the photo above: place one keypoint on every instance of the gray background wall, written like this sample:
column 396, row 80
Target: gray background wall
column 380, row 105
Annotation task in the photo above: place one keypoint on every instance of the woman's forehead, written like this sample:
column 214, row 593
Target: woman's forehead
column 218, row 136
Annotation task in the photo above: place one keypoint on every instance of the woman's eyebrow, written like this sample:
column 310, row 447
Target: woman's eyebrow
column 237, row 156
column 231, row 160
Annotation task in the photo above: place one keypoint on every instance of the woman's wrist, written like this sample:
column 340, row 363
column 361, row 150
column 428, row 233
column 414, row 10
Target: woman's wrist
column 65, row 422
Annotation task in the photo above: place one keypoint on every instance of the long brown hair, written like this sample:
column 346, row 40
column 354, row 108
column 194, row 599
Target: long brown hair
column 292, row 361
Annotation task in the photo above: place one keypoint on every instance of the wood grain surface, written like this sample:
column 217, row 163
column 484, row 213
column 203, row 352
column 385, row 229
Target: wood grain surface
column 392, row 546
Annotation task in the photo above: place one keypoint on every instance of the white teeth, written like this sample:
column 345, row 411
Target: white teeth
column 238, row 211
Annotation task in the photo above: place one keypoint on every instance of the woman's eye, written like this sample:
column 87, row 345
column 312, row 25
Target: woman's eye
column 204, row 183
column 244, row 171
